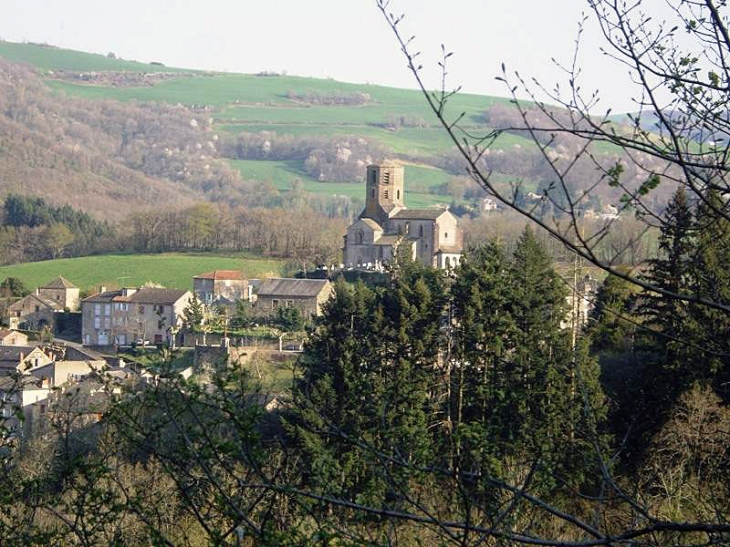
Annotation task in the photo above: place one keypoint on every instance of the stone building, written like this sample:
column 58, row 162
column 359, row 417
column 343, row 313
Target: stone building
column 12, row 338
column 33, row 312
column 220, row 287
column 61, row 291
column 20, row 359
column 386, row 226
column 128, row 315
column 306, row 294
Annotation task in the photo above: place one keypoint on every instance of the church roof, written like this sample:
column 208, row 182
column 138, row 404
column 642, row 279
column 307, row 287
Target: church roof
column 388, row 239
column 370, row 223
column 431, row 213
column 59, row 283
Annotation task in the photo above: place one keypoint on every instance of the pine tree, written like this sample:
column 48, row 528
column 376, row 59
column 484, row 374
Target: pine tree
column 333, row 405
column 194, row 314
column 612, row 327
column 482, row 342
column 365, row 402
column 669, row 348
column 711, row 281
column 542, row 383
column 522, row 389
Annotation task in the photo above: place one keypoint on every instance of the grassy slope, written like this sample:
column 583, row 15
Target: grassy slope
column 172, row 270
column 420, row 181
column 250, row 103
column 52, row 58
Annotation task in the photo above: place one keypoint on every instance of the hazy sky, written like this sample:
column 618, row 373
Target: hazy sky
column 342, row 39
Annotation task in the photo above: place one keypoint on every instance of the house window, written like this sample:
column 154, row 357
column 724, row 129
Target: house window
column 446, row 235
column 359, row 237
column 386, row 177
column 397, row 194
column 97, row 309
column 385, row 194
column 97, row 322
column 274, row 304
column 374, row 176
column 372, row 192
column 37, row 309
column 420, row 231
column 289, row 303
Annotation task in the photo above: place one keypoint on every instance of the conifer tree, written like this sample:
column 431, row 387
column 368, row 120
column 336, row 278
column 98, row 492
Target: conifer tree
column 670, row 335
column 366, row 399
column 523, row 390
column 334, row 396
column 711, row 279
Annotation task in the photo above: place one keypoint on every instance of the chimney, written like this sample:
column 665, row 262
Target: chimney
column 102, row 289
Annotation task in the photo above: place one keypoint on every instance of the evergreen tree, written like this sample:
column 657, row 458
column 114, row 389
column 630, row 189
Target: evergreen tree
column 670, row 337
column 366, row 398
column 611, row 328
column 333, row 400
column 241, row 315
column 543, row 392
column 194, row 314
column 519, row 389
column 482, row 342
column 711, row 281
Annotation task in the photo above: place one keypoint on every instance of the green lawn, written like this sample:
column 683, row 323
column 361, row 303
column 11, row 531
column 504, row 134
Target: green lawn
column 172, row 270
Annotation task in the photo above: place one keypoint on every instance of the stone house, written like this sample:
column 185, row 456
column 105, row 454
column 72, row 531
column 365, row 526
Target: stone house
column 12, row 338
column 22, row 359
column 61, row 291
column 27, row 394
column 128, row 315
column 220, row 287
column 32, row 312
column 306, row 294
column 386, row 226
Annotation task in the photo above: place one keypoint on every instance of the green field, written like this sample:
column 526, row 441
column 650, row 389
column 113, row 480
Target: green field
column 399, row 120
column 172, row 270
column 420, row 181
column 53, row 58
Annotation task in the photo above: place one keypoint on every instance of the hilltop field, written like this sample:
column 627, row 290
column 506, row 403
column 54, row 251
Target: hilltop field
column 172, row 270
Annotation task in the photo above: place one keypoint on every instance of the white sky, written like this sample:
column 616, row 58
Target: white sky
column 343, row 39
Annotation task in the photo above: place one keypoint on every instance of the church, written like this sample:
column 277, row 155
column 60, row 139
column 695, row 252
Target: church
column 386, row 226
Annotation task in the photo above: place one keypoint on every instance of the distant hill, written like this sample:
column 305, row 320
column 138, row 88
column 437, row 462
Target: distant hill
column 78, row 124
column 322, row 114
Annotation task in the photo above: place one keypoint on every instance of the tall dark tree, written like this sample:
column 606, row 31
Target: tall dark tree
column 367, row 395
column 669, row 341
column 520, row 390
column 611, row 325
column 711, row 280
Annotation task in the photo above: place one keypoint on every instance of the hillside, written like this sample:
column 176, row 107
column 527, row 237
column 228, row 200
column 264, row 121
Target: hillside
column 310, row 125
column 74, row 124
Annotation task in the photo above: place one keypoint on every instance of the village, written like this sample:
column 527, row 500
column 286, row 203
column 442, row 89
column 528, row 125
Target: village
column 41, row 358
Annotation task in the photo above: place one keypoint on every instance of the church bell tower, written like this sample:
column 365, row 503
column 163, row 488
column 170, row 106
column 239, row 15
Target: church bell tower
column 384, row 191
